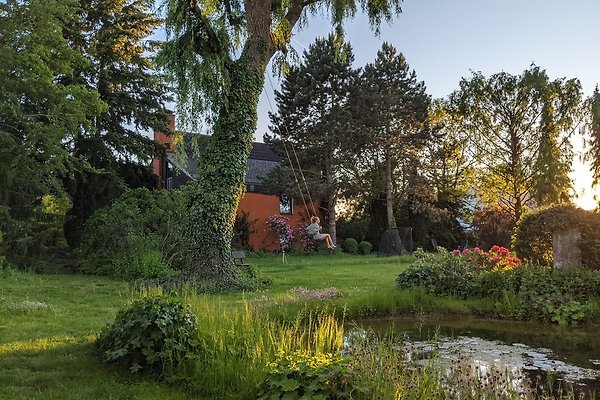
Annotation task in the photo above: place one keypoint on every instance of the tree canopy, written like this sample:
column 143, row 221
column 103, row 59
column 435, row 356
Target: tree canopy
column 519, row 127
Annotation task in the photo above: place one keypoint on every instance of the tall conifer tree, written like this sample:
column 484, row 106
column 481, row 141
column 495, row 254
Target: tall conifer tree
column 312, row 117
column 116, row 151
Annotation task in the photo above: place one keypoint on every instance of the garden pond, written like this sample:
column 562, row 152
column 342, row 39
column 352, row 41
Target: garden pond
column 568, row 356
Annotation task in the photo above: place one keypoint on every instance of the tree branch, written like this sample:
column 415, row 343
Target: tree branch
column 213, row 43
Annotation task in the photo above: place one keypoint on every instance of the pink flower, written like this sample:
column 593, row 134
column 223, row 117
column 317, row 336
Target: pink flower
column 466, row 251
column 503, row 251
column 477, row 250
column 456, row 252
column 496, row 259
column 495, row 248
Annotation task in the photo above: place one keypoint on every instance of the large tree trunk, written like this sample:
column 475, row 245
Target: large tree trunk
column 389, row 195
column 215, row 195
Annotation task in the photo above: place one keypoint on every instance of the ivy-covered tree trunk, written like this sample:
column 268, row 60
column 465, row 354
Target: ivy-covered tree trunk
column 214, row 197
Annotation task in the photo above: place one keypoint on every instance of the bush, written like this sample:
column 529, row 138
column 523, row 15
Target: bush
column 111, row 233
column 301, row 375
column 442, row 274
column 141, row 260
column 494, row 225
column 350, row 246
column 1, row 251
column 534, row 234
column 154, row 335
column 365, row 247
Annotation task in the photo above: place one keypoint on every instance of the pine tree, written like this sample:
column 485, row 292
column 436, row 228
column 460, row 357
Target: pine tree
column 312, row 117
column 115, row 152
column 391, row 112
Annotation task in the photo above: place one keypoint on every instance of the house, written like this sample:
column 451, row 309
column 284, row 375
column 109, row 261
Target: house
column 257, row 205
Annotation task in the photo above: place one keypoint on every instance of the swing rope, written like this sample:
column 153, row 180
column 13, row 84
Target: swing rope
column 287, row 153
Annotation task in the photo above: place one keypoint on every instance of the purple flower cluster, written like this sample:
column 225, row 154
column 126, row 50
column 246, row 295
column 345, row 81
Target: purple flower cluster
column 279, row 225
column 319, row 294
column 302, row 236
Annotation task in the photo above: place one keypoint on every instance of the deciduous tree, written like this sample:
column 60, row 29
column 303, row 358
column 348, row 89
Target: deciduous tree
column 217, row 53
column 519, row 127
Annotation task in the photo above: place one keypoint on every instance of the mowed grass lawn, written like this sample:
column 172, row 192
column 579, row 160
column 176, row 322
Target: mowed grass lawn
column 49, row 322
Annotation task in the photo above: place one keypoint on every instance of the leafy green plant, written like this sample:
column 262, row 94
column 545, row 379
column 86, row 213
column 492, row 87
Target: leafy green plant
column 142, row 260
column 153, row 335
column 350, row 246
column 442, row 274
column 534, row 234
column 1, row 251
column 300, row 375
column 155, row 216
column 365, row 247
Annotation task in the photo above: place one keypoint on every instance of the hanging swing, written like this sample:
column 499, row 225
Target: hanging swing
column 318, row 236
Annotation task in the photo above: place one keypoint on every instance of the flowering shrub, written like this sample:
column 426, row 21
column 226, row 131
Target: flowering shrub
column 498, row 258
column 279, row 225
column 318, row 294
column 307, row 243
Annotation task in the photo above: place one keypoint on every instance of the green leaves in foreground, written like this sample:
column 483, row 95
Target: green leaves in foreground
column 154, row 335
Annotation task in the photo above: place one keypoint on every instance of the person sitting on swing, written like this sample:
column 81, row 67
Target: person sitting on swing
column 314, row 229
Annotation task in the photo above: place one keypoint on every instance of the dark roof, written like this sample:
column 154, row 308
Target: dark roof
column 262, row 151
column 260, row 161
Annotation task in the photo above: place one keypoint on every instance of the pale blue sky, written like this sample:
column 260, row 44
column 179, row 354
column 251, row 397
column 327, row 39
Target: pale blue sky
column 444, row 39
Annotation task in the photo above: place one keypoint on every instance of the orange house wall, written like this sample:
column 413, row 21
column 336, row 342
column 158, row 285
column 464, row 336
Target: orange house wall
column 259, row 208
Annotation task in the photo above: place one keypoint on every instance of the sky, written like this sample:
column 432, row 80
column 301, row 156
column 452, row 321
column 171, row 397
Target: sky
column 443, row 40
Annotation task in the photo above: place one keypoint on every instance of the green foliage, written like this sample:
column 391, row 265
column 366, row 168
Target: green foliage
column 525, row 292
column 141, row 259
column 114, row 153
column 42, row 107
column 592, row 126
column 442, row 274
column 518, row 125
column 534, row 234
column 154, row 335
column 139, row 221
column 217, row 55
column 310, row 121
column 350, row 245
column 2, row 258
column 304, row 376
column 365, row 247
column 389, row 108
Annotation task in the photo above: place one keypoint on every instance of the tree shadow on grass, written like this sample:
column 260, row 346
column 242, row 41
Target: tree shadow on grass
column 67, row 368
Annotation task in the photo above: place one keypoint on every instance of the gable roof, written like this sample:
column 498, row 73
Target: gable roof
column 261, row 160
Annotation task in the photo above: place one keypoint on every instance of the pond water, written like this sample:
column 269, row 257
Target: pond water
column 570, row 354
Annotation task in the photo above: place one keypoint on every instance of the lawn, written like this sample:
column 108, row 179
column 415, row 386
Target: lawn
column 49, row 321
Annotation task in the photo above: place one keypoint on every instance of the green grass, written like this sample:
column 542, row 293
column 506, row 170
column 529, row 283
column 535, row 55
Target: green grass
column 48, row 322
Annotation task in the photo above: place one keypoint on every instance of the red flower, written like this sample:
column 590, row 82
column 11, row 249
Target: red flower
column 456, row 252
column 477, row 250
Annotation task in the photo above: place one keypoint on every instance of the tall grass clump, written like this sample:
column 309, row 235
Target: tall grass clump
column 236, row 343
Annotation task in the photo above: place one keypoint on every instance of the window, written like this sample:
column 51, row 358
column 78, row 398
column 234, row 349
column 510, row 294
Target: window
column 285, row 204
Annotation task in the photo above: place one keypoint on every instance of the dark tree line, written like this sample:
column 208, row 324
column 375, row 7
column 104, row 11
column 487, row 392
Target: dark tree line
column 77, row 91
